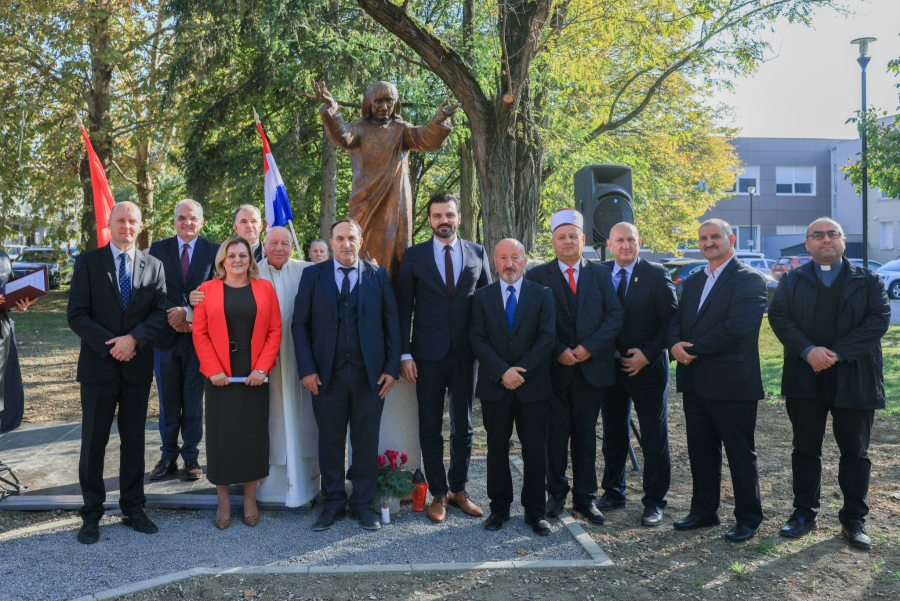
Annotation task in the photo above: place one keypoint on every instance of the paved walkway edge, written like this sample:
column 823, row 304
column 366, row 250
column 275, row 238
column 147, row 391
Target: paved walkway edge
column 584, row 539
column 363, row 569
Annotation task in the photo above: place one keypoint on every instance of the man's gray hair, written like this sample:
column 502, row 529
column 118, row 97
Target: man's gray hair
column 247, row 208
column 721, row 224
column 837, row 225
column 190, row 202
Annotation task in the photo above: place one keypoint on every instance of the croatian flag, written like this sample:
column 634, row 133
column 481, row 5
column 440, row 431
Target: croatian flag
column 278, row 208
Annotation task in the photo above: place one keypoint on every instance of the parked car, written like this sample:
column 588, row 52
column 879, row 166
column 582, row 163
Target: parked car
column 785, row 264
column 680, row 269
column 890, row 273
column 14, row 250
column 873, row 265
column 59, row 264
column 764, row 266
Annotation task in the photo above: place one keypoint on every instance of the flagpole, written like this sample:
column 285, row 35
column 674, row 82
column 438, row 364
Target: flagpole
column 290, row 221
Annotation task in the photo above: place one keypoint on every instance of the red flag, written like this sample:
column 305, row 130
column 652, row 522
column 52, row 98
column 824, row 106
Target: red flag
column 103, row 198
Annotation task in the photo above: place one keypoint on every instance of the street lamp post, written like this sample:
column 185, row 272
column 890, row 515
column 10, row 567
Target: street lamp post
column 752, row 191
column 863, row 60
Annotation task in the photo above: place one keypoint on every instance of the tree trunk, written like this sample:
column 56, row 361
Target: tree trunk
column 328, row 196
column 468, row 191
column 98, row 100
column 144, row 187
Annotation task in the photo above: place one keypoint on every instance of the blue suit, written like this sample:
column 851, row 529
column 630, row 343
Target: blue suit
column 179, row 382
column 362, row 325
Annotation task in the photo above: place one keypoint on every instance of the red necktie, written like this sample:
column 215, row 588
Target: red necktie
column 571, row 272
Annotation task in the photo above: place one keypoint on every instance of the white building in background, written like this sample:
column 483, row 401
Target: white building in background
column 884, row 212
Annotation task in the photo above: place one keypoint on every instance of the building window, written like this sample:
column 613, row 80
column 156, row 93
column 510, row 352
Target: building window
column 786, row 230
column 747, row 177
column 796, row 181
column 882, row 195
column 747, row 237
column 887, row 235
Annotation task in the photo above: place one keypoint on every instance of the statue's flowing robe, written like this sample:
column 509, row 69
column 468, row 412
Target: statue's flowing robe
column 381, row 195
column 293, row 434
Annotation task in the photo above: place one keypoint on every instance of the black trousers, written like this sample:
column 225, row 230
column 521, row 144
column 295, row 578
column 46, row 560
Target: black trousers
column 349, row 400
column 435, row 380
column 530, row 420
column 709, row 425
column 651, row 407
column 852, row 429
column 572, row 414
column 98, row 410
column 180, row 386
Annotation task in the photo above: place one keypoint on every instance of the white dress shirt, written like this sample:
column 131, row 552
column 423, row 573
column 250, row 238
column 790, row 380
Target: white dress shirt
column 504, row 287
column 339, row 275
column 130, row 260
column 455, row 257
column 576, row 267
column 191, row 246
column 711, row 278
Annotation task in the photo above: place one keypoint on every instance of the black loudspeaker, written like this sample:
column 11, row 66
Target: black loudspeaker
column 603, row 195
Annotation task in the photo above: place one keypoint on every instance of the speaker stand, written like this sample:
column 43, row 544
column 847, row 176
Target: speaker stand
column 9, row 482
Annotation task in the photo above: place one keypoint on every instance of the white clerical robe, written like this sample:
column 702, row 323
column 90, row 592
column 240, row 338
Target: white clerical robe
column 293, row 434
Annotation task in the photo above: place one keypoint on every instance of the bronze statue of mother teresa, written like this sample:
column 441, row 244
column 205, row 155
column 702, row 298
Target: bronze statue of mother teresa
column 378, row 142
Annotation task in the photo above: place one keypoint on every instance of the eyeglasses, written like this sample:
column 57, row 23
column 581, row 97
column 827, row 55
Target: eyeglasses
column 833, row 235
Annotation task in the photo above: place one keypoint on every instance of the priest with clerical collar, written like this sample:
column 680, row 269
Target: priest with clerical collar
column 830, row 315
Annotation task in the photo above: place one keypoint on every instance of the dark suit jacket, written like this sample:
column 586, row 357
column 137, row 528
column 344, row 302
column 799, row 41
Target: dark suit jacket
column 599, row 319
column 528, row 345
column 650, row 304
column 315, row 322
column 863, row 318
column 203, row 267
column 260, row 253
column 96, row 315
column 441, row 320
column 725, row 334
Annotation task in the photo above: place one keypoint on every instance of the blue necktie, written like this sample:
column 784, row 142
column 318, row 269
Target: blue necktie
column 124, row 280
column 345, row 285
column 511, row 306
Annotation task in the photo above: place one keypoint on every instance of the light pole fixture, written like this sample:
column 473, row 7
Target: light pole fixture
column 752, row 242
column 863, row 60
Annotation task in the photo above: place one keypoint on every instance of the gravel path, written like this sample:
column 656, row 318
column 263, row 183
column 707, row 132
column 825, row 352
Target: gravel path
column 55, row 566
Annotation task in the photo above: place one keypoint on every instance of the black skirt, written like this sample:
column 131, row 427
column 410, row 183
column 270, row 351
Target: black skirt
column 237, row 415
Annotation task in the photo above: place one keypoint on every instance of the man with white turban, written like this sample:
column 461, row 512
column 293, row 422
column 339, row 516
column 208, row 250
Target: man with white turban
column 588, row 319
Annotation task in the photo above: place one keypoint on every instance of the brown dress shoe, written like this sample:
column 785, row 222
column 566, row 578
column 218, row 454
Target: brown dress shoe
column 461, row 499
column 437, row 511
column 192, row 469
column 163, row 468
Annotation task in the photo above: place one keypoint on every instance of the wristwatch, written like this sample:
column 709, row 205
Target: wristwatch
column 260, row 372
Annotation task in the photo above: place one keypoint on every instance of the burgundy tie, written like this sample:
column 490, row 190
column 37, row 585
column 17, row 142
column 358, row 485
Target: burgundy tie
column 185, row 263
column 448, row 268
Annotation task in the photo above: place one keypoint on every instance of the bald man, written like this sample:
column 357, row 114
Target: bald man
column 117, row 306
column 513, row 334
column 647, row 293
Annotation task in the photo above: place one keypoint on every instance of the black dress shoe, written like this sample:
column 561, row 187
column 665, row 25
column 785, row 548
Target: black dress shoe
column 539, row 525
column 495, row 521
column 797, row 526
column 141, row 523
column 192, row 470
column 740, row 532
column 163, row 468
column 326, row 520
column 606, row 502
column 89, row 533
column 692, row 522
column 653, row 516
column 590, row 512
column 856, row 536
column 367, row 519
column 555, row 506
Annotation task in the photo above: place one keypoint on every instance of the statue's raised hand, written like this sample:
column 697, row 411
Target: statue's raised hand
column 323, row 94
column 444, row 112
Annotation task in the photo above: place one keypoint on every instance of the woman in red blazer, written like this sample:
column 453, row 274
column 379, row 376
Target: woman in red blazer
column 237, row 335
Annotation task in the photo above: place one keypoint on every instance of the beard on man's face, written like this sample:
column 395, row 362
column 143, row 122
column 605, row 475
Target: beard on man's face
column 445, row 230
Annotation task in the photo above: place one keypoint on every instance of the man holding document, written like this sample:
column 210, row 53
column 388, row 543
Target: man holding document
column 12, row 397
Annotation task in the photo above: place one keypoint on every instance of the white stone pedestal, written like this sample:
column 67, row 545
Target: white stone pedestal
column 399, row 425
